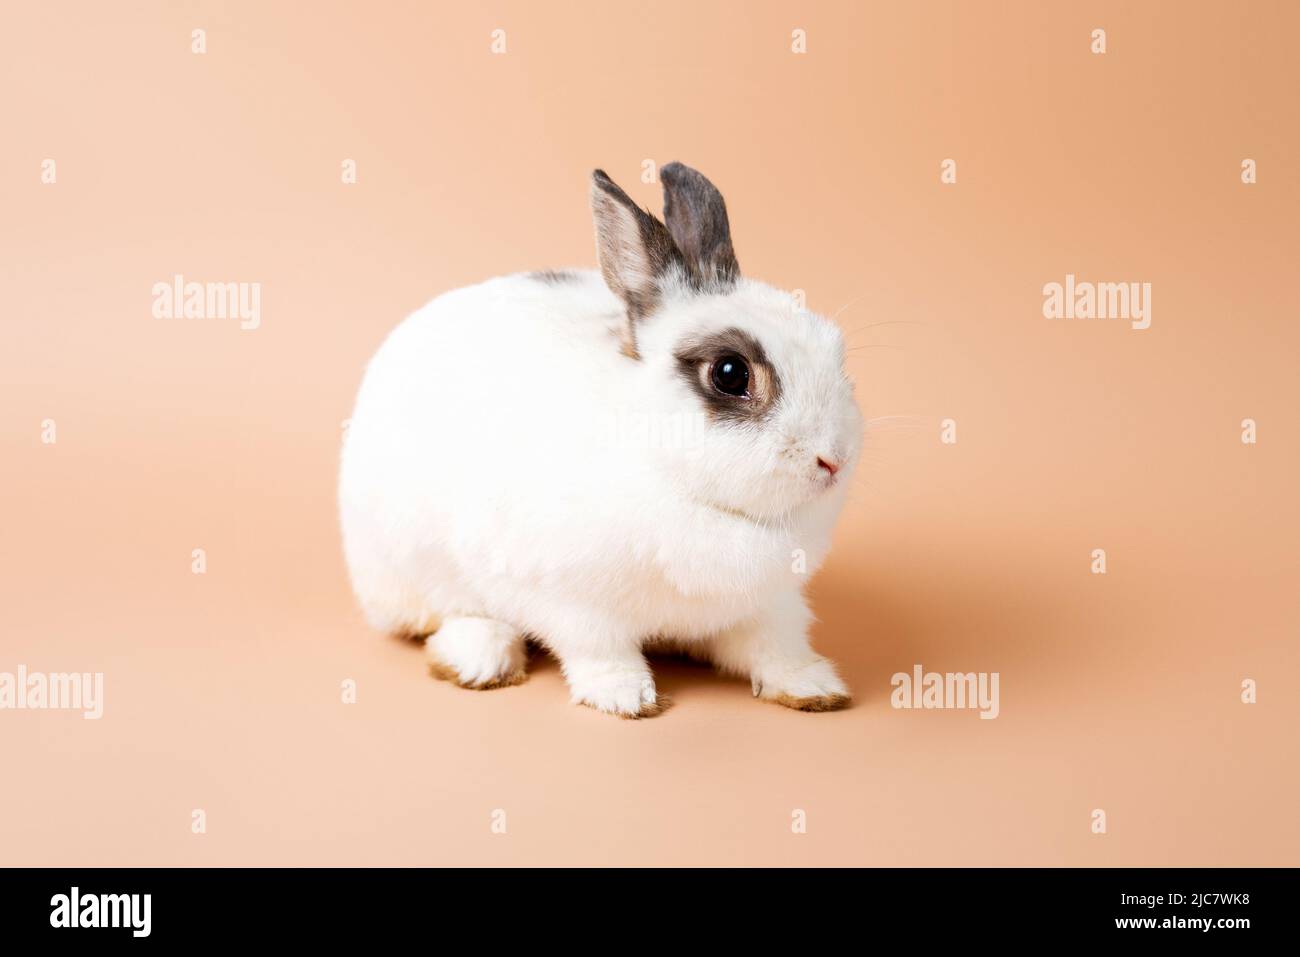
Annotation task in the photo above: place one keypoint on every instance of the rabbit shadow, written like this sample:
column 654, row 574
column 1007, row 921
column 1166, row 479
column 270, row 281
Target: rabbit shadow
column 674, row 672
column 875, row 629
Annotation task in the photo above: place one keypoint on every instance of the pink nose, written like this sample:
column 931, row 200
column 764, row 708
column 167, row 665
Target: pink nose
column 828, row 466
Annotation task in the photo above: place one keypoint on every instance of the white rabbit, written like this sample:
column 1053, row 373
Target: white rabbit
column 655, row 453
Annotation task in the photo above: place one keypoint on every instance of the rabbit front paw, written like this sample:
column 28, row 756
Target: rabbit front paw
column 811, row 686
column 477, row 653
column 624, row 689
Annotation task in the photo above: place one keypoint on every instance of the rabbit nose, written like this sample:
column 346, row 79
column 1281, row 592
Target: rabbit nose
column 829, row 466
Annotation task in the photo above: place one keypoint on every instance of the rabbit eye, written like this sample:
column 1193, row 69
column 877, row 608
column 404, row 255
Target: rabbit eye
column 730, row 375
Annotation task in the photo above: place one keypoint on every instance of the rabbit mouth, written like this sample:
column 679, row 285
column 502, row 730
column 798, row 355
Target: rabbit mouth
column 779, row 516
column 827, row 483
column 760, row 521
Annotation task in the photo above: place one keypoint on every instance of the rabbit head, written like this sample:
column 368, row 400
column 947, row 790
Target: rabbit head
column 764, row 376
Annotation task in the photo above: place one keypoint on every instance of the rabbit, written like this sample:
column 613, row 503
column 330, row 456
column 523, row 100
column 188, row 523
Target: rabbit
column 652, row 454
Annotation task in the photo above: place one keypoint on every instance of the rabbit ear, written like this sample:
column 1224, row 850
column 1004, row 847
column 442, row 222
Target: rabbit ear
column 634, row 250
column 697, row 220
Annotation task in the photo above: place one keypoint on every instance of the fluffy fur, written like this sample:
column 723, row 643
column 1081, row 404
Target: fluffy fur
column 513, row 470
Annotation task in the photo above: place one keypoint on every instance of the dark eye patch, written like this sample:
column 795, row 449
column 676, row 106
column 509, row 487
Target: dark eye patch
column 696, row 360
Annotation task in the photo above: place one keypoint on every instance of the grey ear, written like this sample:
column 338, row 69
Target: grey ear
column 634, row 251
column 697, row 220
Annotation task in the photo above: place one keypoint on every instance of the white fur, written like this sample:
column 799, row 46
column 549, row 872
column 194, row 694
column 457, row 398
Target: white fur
column 480, row 651
column 497, row 468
